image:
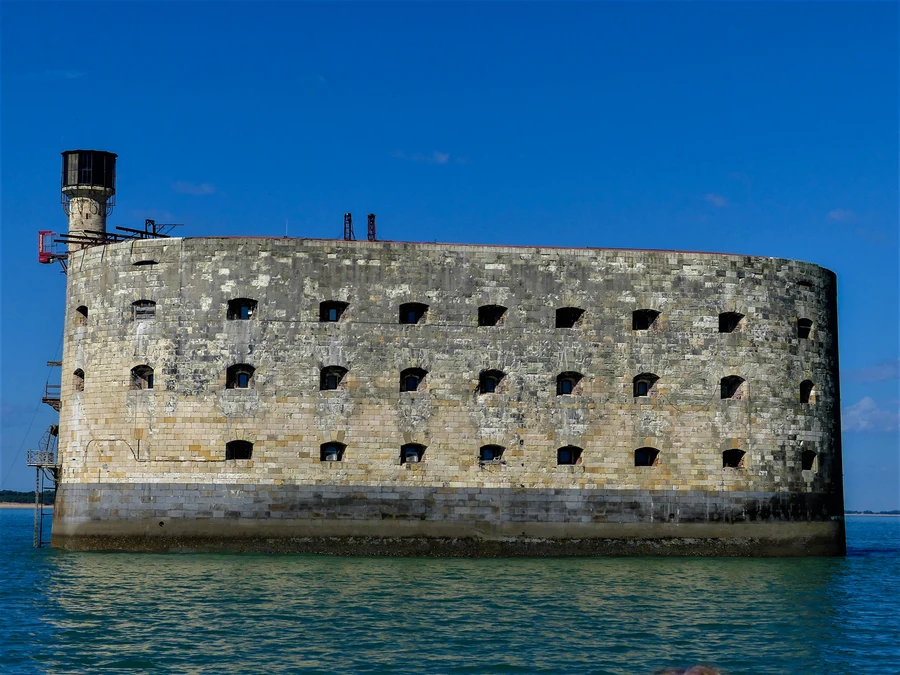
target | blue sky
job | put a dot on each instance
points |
(758, 128)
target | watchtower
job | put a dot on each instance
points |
(88, 187)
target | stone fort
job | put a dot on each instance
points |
(389, 398)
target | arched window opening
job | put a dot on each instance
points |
(412, 312)
(807, 392)
(332, 452)
(332, 310)
(241, 309)
(729, 321)
(238, 450)
(144, 263)
(732, 386)
(143, 310)
(331, 378)
(142, 377)
(646, 457)
(644, 384)
(643, 319)
(239, 376)
(804, 328)
(78, 381)
(809, 461)
(81, 316)
(412, 453)
(567, 383)
(412, 379)
(491, 315)
(568, 456)
(733, 459)
(568, 317)
(489, 381)
(489, 454)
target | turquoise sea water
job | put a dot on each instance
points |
(68, 612)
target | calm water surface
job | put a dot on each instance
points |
(68, 612)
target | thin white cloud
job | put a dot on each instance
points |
(716, 200)
(187, 188)
(880, 372)
(867, 415)
(434, 158)
(841, 216)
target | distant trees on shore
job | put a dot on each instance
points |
(16, 497)
(895, 512)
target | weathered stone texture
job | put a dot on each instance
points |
(168, 442)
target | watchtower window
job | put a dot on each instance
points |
(567, 382)
(568, 456)
(644, 384)
(332, 310)
(732, 387)
(81, 316)
(643, 319)
(238, 450)
(143, 310)
(568, 317)
(412, 379)
(804, 328)
(412, 453)
(729, 321)
(142, 377)
(490, 453)
(412, 312)
(809, 460)
(807, 392)
(332, 452)
(489, 381)
(646, 457)
(331, 378)
(78, 380)
(491, 315)
(241, 309)
(733, 459)
(239, 376)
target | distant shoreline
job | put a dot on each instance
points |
(19, 505)
(877, 515)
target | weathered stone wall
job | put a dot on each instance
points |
(175, 433)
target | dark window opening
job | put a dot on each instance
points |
(81, 315)
(809, 460)
(331, 378)
(238, 450)
(412, 453)
(239, 376)
(733, 459)
(241, 309)
(731, 387)
(729, 321)
(644, 384)
(143, 310)
(412, 379)
(331, 452)
(567, 382)
(805, 283)
(412, 312)
(332, 310)
(643, 319)
(142, 377)
(491, 315)
(489, 381)
(568, 317)
(807, 392)
(804, 328)
(568, 456)
(646, 457)
(144, 263)
(490, 453)
(78, 380)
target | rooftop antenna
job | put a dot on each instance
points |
(348, 228)
(371, 233)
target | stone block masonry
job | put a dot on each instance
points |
(731, 445)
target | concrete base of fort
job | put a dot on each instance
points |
(444, 522)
